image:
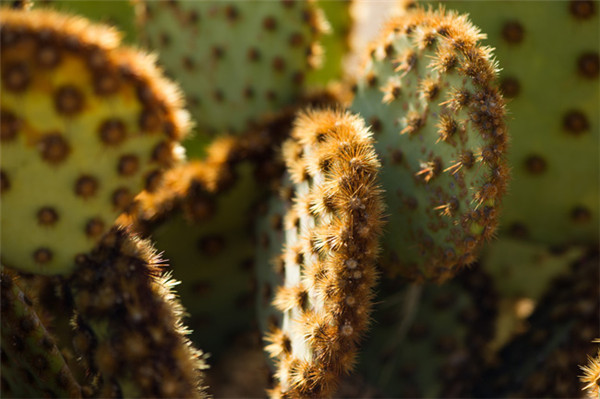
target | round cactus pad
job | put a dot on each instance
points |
(85, 126)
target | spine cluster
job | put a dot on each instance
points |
(331, 245)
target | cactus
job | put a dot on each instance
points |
(85, 122)
(106, 320)
(143, 352)
(252, 59)
(543, 360)
(38, 366)
(331, 246)
(553, 136)
(449, 325)
(428, 91)
(336, 42)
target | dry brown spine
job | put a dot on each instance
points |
(331, 250)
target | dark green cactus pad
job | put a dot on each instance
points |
(129, 327)
(428, 340)
(522, 272)
(543, 361)
(86, 124)
(32, 365)
(427, 89)
(550, 78)
(201, 253)
(238, 60)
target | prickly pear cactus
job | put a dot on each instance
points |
(330, 251)
(86, 124)
(31, 362)
(200, 251)
(143, 352)
(428, 91)
(237, 60)
(336, 41)
(118, 13)
(449, 325)
(543, 360)
(550, 77)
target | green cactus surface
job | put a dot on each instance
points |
(293, 213)
(336, 42)
(543, 361)
(86, 124)
(427, 90)
(549, 75)
(448, 325)
(252, 59)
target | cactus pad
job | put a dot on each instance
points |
(32, 365)
(331, 245)
(236, 59)
(86, 125)
(427, 90)
(549, 76)
(129, 323)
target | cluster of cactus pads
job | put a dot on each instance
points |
(215, 203)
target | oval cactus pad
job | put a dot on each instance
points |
(428, 91)
(86, 125)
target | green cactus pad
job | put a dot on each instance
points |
(549, 75)
(86, 125)
(330, 249)
(201, 253)
(237, 60)
(129, 325)
(521, 273)
(32, 366)
(335, 42)
(543, 361)
(427, 91)
(430, 340)
(119, 13)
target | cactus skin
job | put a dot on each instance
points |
(522, 272)
(32, 365)
(252, 59)
(129, 323)
(543, 361)
(85, 122)
(117, 13)
(336, 41)
(550, 78)
(591, 375)
(201, 251)
(449, 325)
(427, 89)
(331, 246)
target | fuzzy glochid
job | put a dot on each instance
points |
(331, 243)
